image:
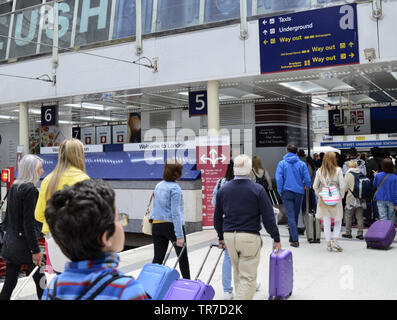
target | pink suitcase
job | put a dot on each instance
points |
(280, 275)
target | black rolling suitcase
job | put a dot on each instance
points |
(313, 226)
(276, 202)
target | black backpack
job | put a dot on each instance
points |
(262, 181)
(362, 186)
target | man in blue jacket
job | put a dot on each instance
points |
(240, 206)
(292, 177)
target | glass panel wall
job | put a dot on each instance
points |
(268, 6)
(220, 10)
(4, 26)
(176, 14)
(25, 32)
(93, 22)
(125, 18)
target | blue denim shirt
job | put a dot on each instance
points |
(168, 205)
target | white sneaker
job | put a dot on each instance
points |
(258, 286)
(228, 296)
(336, 246)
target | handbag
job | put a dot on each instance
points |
(146, 221)
(330, 195)
(2, 226)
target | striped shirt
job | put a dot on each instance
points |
(78, 276)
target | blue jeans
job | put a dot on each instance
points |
(292, 203)
(386, 210)
(227, 273)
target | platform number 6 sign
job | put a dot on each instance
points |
(49, 115)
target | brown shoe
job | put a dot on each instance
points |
(294, 244)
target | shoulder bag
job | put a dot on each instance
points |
(376, 192)
(329, 194)
(146, 222)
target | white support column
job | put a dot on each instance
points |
(138, 29)
(55, 43)
(243, 20)
(213, 107)
(24, 126)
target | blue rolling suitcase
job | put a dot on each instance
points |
(157, 278)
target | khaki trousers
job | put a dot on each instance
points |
(244, 251)
(349, 213)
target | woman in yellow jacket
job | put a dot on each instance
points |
(69, 170)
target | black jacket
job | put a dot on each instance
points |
(22, 230)
(240, 205)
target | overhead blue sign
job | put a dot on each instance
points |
(361, 144)
(198, 103)
(310, 39)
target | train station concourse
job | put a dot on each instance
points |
(139, 83)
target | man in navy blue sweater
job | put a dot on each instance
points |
(240, 205)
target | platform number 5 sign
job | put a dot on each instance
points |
(48, 115)
(198, 103)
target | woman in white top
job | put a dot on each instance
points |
(258, 171)
(330, 175)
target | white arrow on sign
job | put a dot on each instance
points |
(264, 22)
(265, 32)
(213, 157)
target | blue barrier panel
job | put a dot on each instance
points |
(122, 166)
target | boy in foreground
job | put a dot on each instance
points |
(85, 224)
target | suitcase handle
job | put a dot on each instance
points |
(169, 252)
(205, 259)
(275, 197)
(25, 283)
(307, 199)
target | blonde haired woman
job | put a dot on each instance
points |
(69, 170)
(330, 174)
(258, 171)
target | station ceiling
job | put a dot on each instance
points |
(360, 86)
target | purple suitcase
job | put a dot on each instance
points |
(380, 235)
(280, 275)
(185, 289)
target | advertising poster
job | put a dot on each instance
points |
(134, 127)
(88, 135)
(120, 134)
(50, 136)
(212, 158)
(103, 135)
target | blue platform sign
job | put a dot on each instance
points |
(198, 103)
(310, 39)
